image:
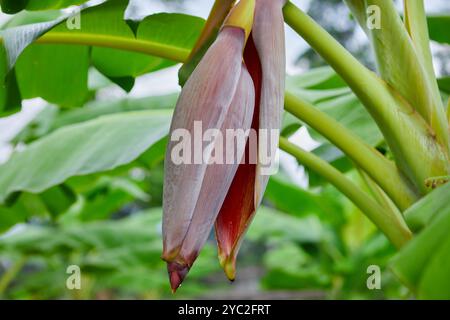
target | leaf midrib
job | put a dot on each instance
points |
(161, 50)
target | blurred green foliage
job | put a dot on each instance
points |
(101, 210)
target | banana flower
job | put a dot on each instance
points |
(238, 85)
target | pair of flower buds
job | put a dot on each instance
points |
(238, 84)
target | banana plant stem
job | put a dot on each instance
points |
(393, 226)
(378, 194)
(408, 135)
(117, 42)
(382, 170)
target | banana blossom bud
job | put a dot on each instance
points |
(238, 85)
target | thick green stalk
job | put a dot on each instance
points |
(448, 113)
(417, 27)
(116, 42)
(379, 195)
(409, 137)
(390, 224)
(383, 171)
(404, 57)
(404, 61)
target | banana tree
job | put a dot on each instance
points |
(406, 173)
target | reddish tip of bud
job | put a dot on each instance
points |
(177, 273)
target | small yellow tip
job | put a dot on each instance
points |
(241, 16)
(230, 271)
(228, 263)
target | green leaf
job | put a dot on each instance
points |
(291, 199)
(140, 228)
(319, 79)
(93, 146)
(104, 24)
(10, 96)
(42, 71)
(16, 39)
(108, 196)
(272, 224)
(424, 211)
(444, 84)
(423, 264)
(438, 27)
(52, 4)
(288, 251)
(27, 17)
(171, 29)
(406, 68)
(311, 277)
(51, 118)
(107, 20)
(435, 280)
(155, 155)
(10, 99)
(96, 109)
(9, 216)
(57, 73)
(58, 199)
(14, 6)
(24, 206)
(329, 93)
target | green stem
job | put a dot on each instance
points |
(379, 194)
(448, 112)
(117, 42)
(391, 225)
(383, 171)
(10, 274)
(409, 137)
